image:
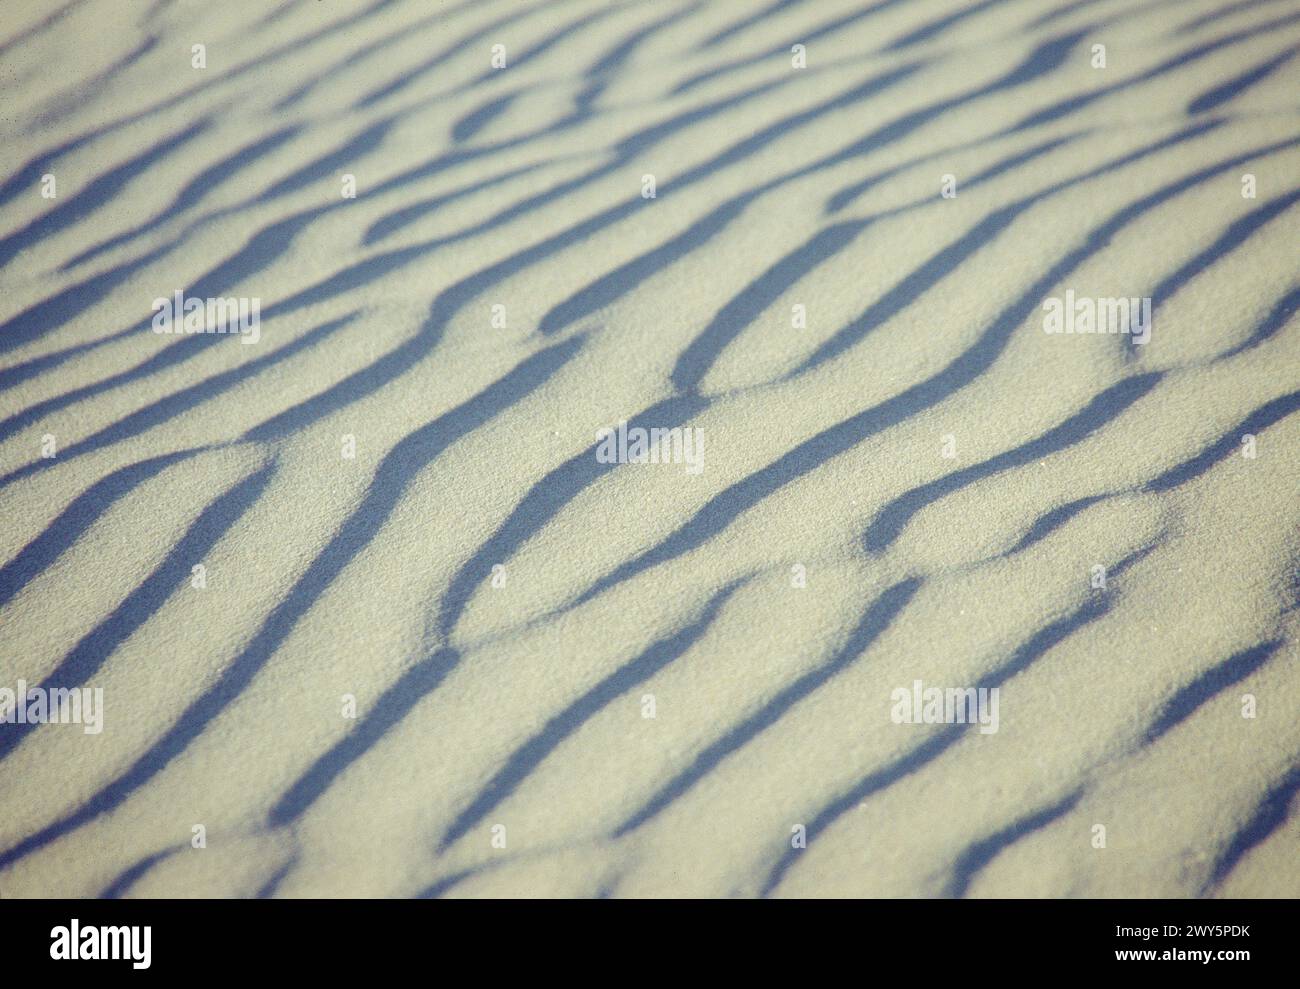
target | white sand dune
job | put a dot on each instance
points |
(904, 478)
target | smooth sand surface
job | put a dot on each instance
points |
(913, 481)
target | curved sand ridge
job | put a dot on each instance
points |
(901, 477)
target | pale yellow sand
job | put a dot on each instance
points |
(522, 706)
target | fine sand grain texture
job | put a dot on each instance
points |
(375, 608)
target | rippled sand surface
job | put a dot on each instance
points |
(371, 617)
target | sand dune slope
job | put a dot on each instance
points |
(374, 613)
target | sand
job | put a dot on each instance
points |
(471, 658)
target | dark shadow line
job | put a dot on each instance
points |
(927, 31)
(543, 502)
(404, 216)
(180, 402)
(747, 21)
(261, 62)
(28, 175)
(1053, 519)
(615, 58)
(1058, 12)
(393, 705)
(1232, 670)
(410, 456)
(565, 32)
(351, 389)
(721, 510)
(1237, 233)
(391, 478)
(44, 24)
(86, 658)
(1234, 87)
(886, 776)
(452, 299)
(605, 69)
(875, 620)
(131, 875)
(1227, 444)
(60, 105)
(873, 86)
(744, 308)
(44, 317)
(1278, 317)
(272, 242)
(481, 116)
(438, 888)
(950, 257)
(528, 756)
(1215, 15)
(832, 27)
(616, 283)
(1010, 163)
(915, 283)
(70, 524)
(97, 194)
(257, 254)
(1075, 103)
(193, 192)
(1269, 815)
(627, 150)
(1035, 647)
(272, 885)
(412, 75)
(330, 164)
(331, 72)
(981, 853)
(889, 522)
(1199, 463)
